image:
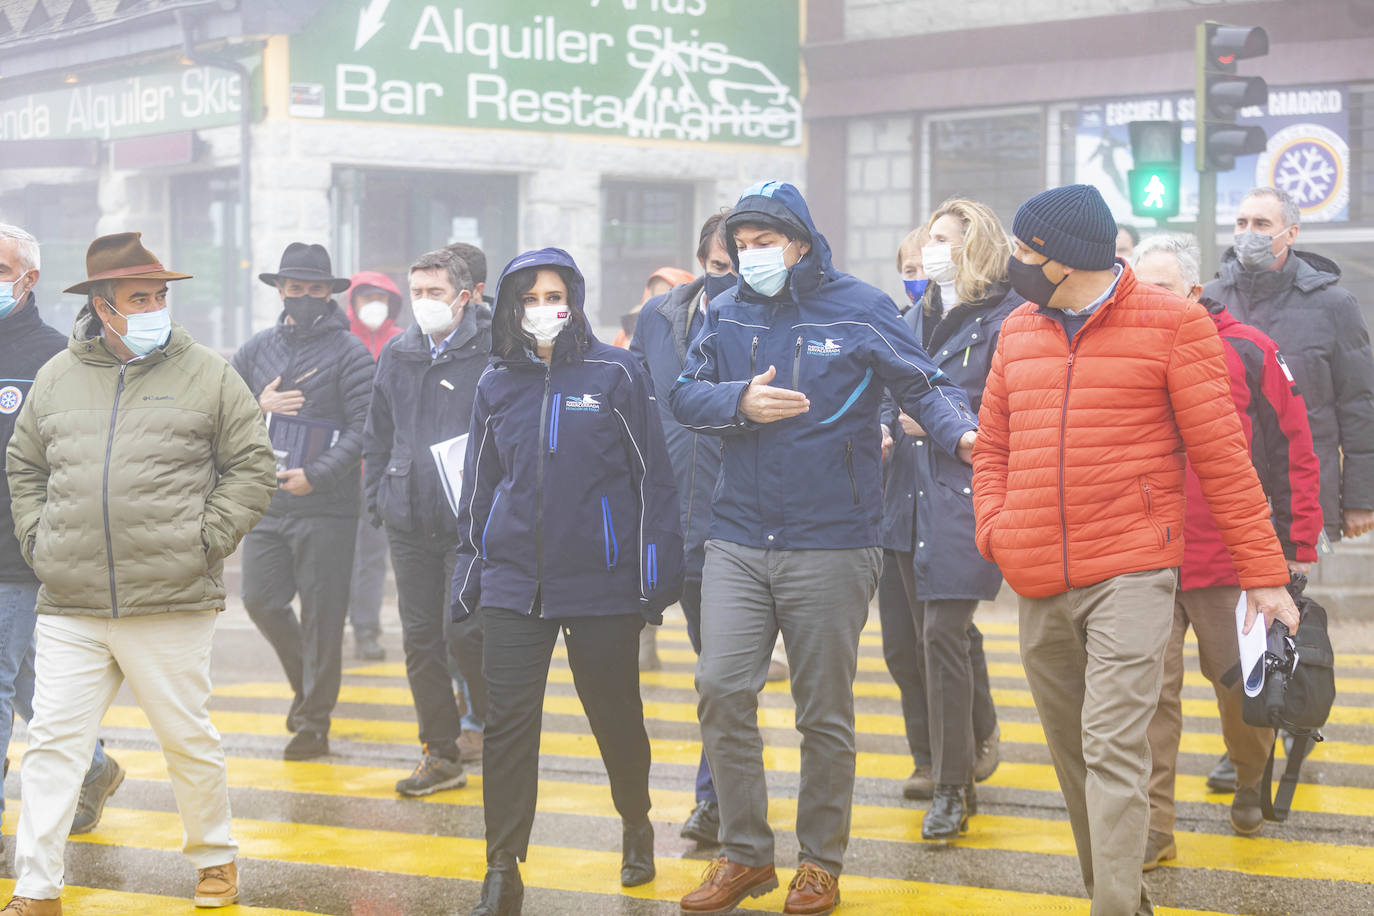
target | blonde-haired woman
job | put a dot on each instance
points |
(945, 577)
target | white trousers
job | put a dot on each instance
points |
(80, 664)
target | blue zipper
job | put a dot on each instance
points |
(608, 535)
(490, 515)
(553, 421)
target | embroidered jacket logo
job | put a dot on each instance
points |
(587, 402)
(827, 347)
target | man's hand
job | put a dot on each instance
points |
(1355, 522)
(910, 426)
(294, 481)
(762, 403)
(887, 441)
(1298, 569)
(1273, 602)
(273, 401)
(965, 449)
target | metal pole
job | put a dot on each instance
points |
(1207, 222)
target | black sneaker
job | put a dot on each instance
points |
(432, 774)
(306, 745)
(367, 647)
(94, 794)
(703, 824)
(1223, 776)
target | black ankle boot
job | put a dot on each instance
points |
(948, 813)
(637, 854)
(503, 892)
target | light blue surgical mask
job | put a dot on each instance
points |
(764, 269)
(145, 331)
(8, 300)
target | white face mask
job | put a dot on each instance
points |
(433, 315)
(938, 261)
(543, 322)
(372, 315)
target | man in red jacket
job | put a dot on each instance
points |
(1274, 418)
(1098, 386)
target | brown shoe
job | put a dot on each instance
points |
(217, 885)
(725, 884)
(919, 784)
(1247, 817)
(470, 746)
(28, 906)
(813, 892)
(1158, 847)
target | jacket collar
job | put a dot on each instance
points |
(333, 319)
(677, 307)
(955, 317)
(22, 320)
(87, 343)
(412, 344)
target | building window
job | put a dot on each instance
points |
(997, 158)
(385, 219)
(63, 219)
(644, 226)
(206, 244)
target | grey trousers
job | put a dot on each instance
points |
(369, 579)
(819, 600)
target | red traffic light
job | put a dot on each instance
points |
(1227, 44)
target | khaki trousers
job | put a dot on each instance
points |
(1094, 658)
(1212, 614)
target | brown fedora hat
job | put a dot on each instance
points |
(121, 257)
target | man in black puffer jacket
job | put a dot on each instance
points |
(309, 365)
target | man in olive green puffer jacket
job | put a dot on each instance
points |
(137, 463)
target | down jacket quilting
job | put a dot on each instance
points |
(132, 482)
(1079, 467)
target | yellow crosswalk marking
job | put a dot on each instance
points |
(1262, 856)
(127, 903)
(773, 717)
(555, 868)
(1036, 777)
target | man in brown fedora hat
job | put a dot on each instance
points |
(137, 463)
(309, 369)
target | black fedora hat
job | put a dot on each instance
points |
(309, 263)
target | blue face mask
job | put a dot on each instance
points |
(145, 331)
(915, 289)
(7, 298)
(718, 283)
(764, 269)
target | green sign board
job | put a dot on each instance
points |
(696, 70)
(161, 99)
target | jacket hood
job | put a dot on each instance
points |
(87, 341)
(577, 290)
(773, 202)
(380, 281)
(1304, 269)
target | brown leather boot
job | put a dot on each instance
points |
(725, 884)
(28, 906)
(813, 892)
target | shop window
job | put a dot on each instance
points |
(206, 244)
(644, 226)
(997, 158)
(385, 219)
(63, 219)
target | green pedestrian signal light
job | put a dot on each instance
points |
(1154, 182)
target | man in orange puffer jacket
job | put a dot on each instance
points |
(1098, 388)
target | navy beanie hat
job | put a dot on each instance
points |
(1071, 225)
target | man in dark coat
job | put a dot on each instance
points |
(307, 366)
(426, 380)
(1295, 297)
(665, 328)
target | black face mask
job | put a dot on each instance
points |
(306, 310)
(718, 283)
(1030, 282)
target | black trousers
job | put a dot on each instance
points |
(311, 557)
(423, 567)
(603, 653)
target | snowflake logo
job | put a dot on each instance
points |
(1310, 162)
(1307, 172)
(10, 399)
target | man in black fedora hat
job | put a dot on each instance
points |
(313, 379)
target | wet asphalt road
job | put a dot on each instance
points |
(330, 836)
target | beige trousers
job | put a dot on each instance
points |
(1094, 658)
(1212, 614)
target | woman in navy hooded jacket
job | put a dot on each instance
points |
(568, 520)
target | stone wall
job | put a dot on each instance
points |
(881, 197)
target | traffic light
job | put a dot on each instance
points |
(1221, 93)
(1157, 153)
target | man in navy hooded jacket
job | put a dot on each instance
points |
(790, 371)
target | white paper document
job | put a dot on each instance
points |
(449, 456)
(1252, 646)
